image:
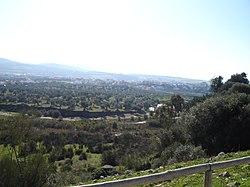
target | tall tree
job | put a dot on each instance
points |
(178, 102)
(216, 83)
(240, 78)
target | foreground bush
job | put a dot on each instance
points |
(33, 170)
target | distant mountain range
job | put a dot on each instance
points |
(56, 70)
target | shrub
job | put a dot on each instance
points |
(220, 123)
(97, 173)
(78, 151)
(109, 157)
(69, 153)
(185, 153)
(34, 170)
(67, 165)
(154, 123)
(83, 156)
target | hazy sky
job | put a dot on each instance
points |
(187, 38)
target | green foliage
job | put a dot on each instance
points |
(178, 102)
(177, 152)
(57, 154)
(185, 153)
(109, 157)
(141, 164)
(177, 131)
(114, 125)
(19, 167)
(83, 156)
(10, 174)
(216, 84)
(165, 115)
(56, 96)
(237, 83)
(97, 173)
(240, 88)
(154, 123)
(226, 87)
(27, 148)
(239, 174)
(32, 170)
(14, 130)
(67, 165)
(78, 151)
(240, 78)
(220, 123)
(166, 138)
(55, 114)
(69, 153)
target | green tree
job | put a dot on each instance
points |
(84, 104)
(178, 102)
(55, 114)
(220, 123)
(109, 157)
(165, 115)
(216, 83)
(235, 79)
(240, 88)
(240, 78)
(31, 170)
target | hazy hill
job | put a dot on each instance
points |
(56, 70)
(52, 70)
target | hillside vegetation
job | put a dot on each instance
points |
(234, 176)
(59, 151)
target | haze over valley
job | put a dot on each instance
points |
(94, 91)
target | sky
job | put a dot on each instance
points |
(199, 39)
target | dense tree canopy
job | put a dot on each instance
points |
(178, 102)
(240, 78)
(216, 83)
(237, 83)
(220, 123)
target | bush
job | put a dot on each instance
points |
(142, 164)
(34, 170)
(69, 153)
(154, 123)
(78, 151)
(31, 170)
(114, 125)
(97, 173)
(67, 165)
(240, 88)
(220, 123)
(185, 153)
(55, 114)
(109, 157)
(83, 156)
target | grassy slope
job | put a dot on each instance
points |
(239, 175)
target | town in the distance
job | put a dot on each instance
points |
(62, 126)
